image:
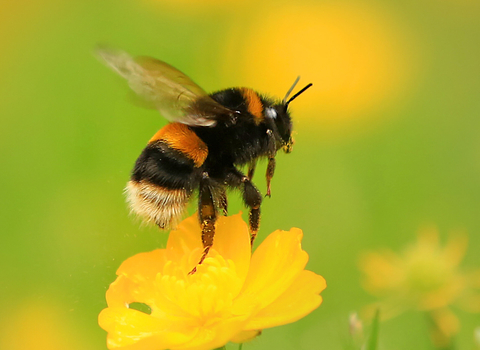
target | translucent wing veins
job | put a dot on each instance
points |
(170, 91)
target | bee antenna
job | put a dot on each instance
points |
(291, 89)
(297, 94)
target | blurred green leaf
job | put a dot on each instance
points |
(372, 341)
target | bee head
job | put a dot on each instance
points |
(280, 116)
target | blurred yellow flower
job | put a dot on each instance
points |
(359, 57)
(41, 322)
(232, 296)
(425, 277)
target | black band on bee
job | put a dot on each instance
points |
(243, 100)
(161, 165)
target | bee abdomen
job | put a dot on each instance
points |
(165, 175)
(159, 205)
(163, 166)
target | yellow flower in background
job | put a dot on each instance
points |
(426, 277)
(359, 57)
(41, 322)
(232, 296)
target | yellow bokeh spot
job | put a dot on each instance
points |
(40, 324)
(357, 58)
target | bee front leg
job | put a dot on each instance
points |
(269, 175)
(251, 170)
(271, 161)
(207, 215)
(251, 196)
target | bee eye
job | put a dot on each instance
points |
(271, 113)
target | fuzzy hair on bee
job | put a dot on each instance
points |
(209, 137)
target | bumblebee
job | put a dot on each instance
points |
(209, 137)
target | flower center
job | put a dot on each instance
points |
(427, 273)
(204, 297)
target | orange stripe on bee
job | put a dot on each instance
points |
(181, 138)
(254, 104)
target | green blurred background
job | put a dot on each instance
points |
(387, 142)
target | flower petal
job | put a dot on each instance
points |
(245, 336)
(232, 241)
(187, 237)
(215, 335)
(126, 327)
(275, 264)
(381, 271)
(456, 248)
(143, 265)
(301, 298)
(135, 278)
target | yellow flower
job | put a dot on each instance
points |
(425, 277)
(360, 58)
(232, 296)
(40, 323)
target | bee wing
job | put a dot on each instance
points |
(167, 89)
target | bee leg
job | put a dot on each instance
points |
(272, 151)
(254, 221)
(269, 174)
(207, 215)
(251, 196)
(223, 202)
(251, 170)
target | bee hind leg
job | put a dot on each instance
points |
(251, 196)
(208, 216)
(223, 202)
(254, 221)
